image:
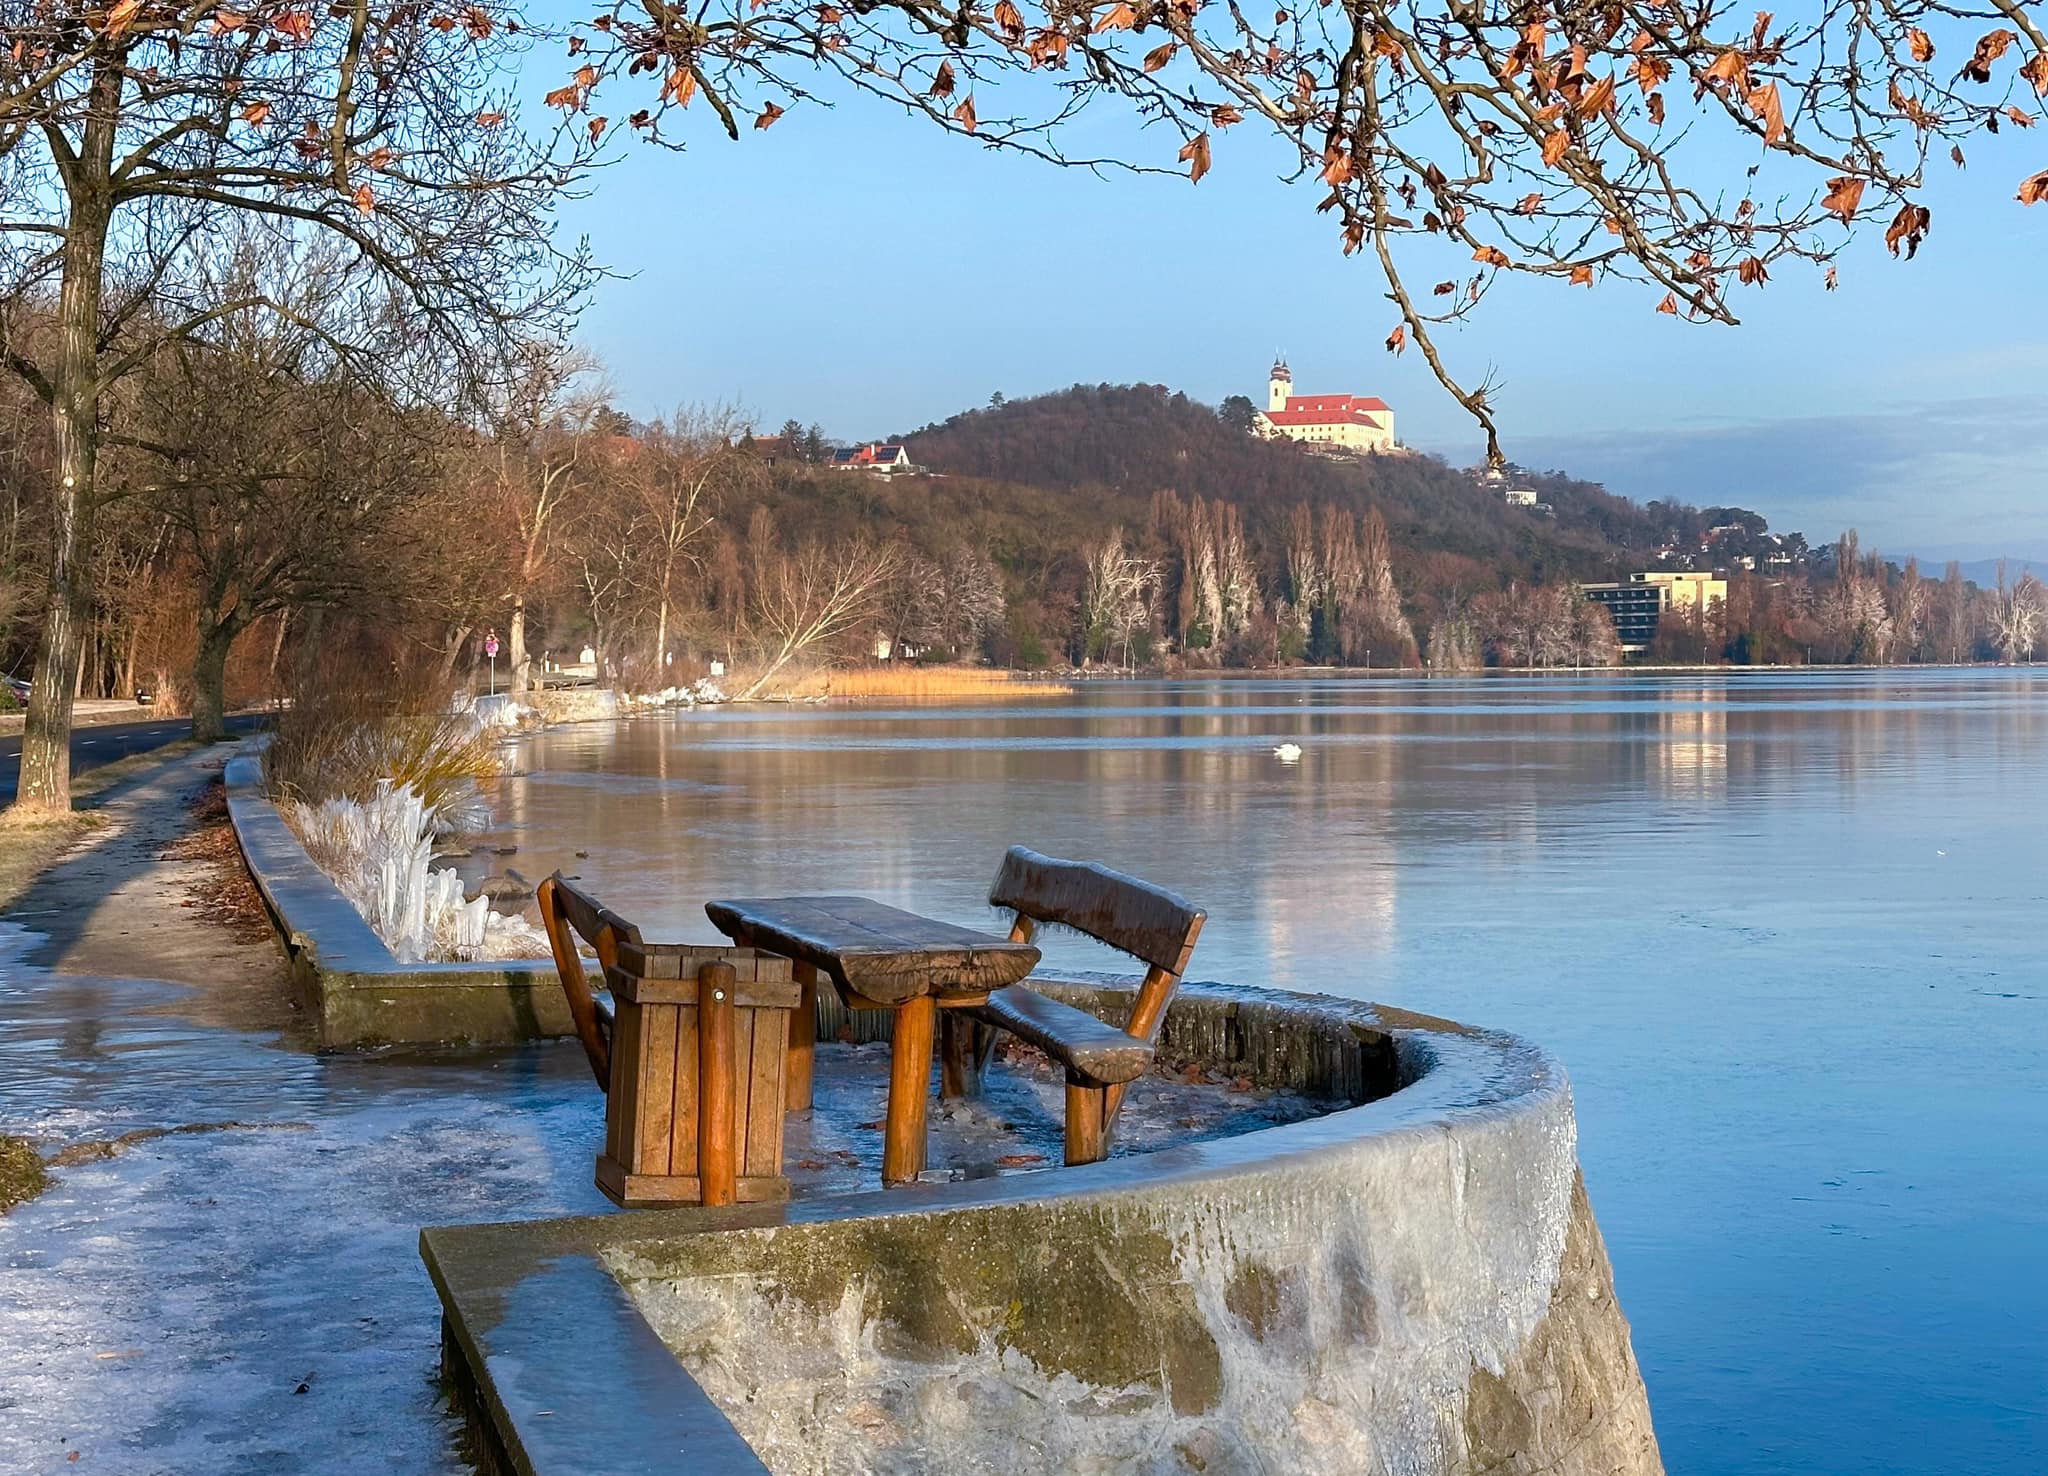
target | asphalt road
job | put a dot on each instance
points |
(102, 745)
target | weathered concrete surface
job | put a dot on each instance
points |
(1414, 1285)
(353, 990)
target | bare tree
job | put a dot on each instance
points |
(806, 598)
(280, 479)
(2019, 615)
(132, 135)
(679, 478)
(1116, 599)
(539, 430)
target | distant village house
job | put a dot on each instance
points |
(874, 457)
(1357, 423)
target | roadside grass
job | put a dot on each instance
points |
(938, 681)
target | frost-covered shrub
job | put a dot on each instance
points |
(379, 854)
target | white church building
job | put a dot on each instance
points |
(1340, 422)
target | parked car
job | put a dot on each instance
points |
(19, 687)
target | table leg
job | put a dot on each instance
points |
(910, 1079)
(803, 1039)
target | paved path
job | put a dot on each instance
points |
(235, 1288)
(105, 743)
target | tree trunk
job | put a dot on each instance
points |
(284, 620)
(515, 650)
(451, 651)
(45, 785)
(209, 677)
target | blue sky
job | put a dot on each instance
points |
(858, 269)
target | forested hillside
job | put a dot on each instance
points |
(1118, 444)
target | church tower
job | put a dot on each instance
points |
(1279, 386)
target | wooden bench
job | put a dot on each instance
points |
(691, 1050)
(1149, 923)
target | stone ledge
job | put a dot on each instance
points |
(1414, 1284)
(345, 976)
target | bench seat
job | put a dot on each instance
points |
(1089, 1048)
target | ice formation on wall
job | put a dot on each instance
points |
(380, 856)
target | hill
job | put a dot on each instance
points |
(1130, 518)
(1118, 444)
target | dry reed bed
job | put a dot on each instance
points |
(938, 681)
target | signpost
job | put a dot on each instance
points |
(491, 650)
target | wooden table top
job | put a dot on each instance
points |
(879, 952)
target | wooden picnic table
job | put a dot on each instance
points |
(879, 958)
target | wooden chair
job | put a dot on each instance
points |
(691, 1049)
(1149, 923)
(568, 912)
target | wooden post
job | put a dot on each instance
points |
(910, 1073)
(803, 1039)
(1087, 1137)
(960, 1057)
(717, 1156)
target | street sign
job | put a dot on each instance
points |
(491, 645)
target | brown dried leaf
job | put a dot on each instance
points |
(1920, 44)
(597, 128)
(1845, 193)
(1731, 68)
(1195, 154)
(1910, 226)
(1750, 271)
(1556, 146)
(1831, 280)
(767, 116)
(569, 96)
(121, 17)
(2033, 189)
(1159, 56)
(2020, 117)
(1989, 49)
(1223, 115)
(365, 201)
(1120, 18)
(256, 112)
(1009, 19)
(1445, 289)
(1019, 1160)
(489, 120)
(2036, 71)
(1669, 304)
(1492, 255)
(1596, 99)
(964, 114)
(942, 80)
(1763, 101)
(1398, 339)
(1582, 275)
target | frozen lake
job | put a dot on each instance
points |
(1786, 931)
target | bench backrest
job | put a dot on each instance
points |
(1135, 917)
(1150, 923)
(568, 912)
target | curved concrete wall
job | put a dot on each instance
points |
(1415, 1284)
(347, 979)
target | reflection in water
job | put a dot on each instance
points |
(1783, 929)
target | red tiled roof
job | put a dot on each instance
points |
(1329, 410)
